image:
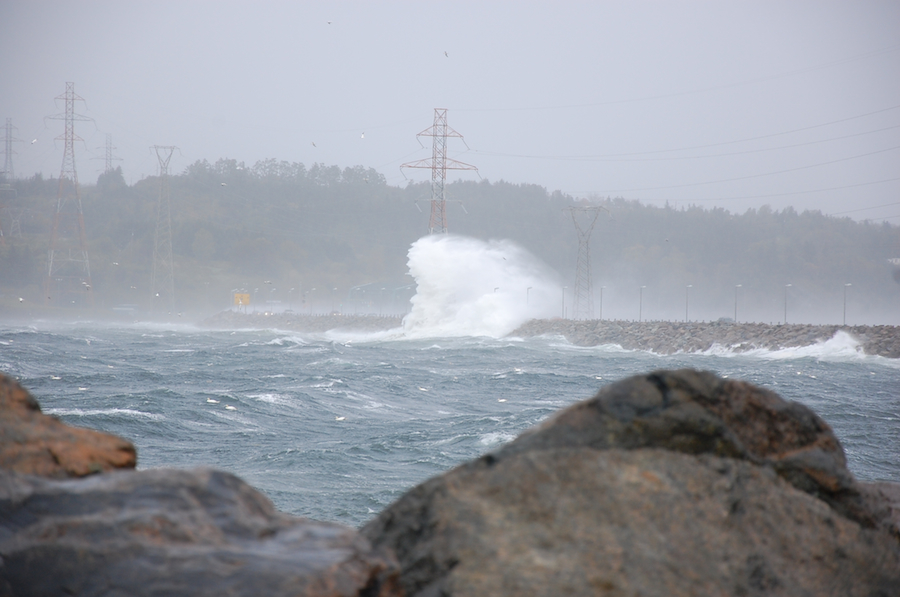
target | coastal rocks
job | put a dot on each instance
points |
(36, 444)
(667, 337)
(174, 532)
(673, 483)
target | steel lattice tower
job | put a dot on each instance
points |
(162, 283)
(584, 290)
(109, 154)
(439, 163)
(68, 267)
(8, 151)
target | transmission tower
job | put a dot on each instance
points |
(109, 155)
(69, 270)
(8, 151)
(162, 283)
(439, 163)
(584, 290)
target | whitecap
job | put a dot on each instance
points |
(102, 412)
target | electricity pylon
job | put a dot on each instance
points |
(584, 290)
(439, 163)
(162, 282)
(8, 151)
(68, 267)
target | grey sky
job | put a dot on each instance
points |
(729, 104)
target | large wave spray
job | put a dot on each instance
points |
(468, 287)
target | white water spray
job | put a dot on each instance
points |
(469, 287)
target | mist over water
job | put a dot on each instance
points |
(469, 287)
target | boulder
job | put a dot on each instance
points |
(36, 444)
(174, 532)
(672, 483)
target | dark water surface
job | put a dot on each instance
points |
(337, 427)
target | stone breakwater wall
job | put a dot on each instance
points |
(302, 323)
(666, 337)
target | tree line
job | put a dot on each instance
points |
(237, 227)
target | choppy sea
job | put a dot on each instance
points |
(335, 427)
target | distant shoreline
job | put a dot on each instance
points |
(661, 337)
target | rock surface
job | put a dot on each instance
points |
(667, 337)
(174, 532)
(35, 444)
(673, 483)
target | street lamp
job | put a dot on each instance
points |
(601, 302)
(291, 299)
(310, 302)
(564, 302)
(736, 286)
(686, 291)
(527, 290)
(640, 302)
(845, 302)
(786, 286)
(333, 290)
(496, 288)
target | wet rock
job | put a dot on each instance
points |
(673, 483)
(173, 532)
(36, 444)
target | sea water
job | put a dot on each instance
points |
(336, 426)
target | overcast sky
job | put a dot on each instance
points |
(728, 104)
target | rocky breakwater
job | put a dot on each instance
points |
(667, 484)
(666, 337)
(155, 532)
(302, 323)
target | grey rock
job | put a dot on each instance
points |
(673, 483)
(174, 532)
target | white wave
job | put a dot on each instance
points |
(271, 398)
(100, 412)
(494, 438)
(469, 287)
(841, 347)
(287, 340)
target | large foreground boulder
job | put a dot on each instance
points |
(668, 484)
(175, 533)
(35, 444)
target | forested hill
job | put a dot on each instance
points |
(237, 226)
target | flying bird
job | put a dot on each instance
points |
(223, 184)
(363, 136)
(314, 143)
(446, 54)
(21, 300)
(33, 141)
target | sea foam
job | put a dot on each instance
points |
(470, 287)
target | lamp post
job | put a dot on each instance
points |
(381, 302)
(601, 302)
(333, 290)
(291, 299)
(786, 286)
(640, 302)
(310, 302)
(736, 286)
(845, 302)
(686, 294)
(496, 288)
(564, 301)
(527, 290)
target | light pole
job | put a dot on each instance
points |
(527, 290)
(333, 290)
(381, 303)
(736, 286)
(291, 299)
(310, 302)
(601, 302)
(564, 302)
(640, 302)
(496, 288)
(786, 286)
(845, 302)
(686, 293)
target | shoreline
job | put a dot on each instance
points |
(660, 337)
